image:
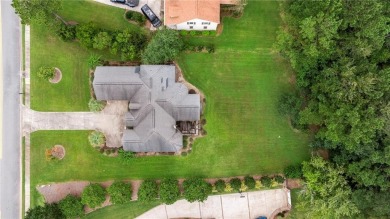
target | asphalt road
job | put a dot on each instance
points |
(10, 188)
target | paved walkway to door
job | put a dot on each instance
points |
(230, 206)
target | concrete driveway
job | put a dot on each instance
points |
(230, 206)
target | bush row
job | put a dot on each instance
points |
(198, 33)
(210, 48)
(128, 43)
(248, 183)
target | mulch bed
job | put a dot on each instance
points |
(57, 76)
(58, 152)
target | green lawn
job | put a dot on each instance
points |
(72, 93)
(245, 135)
(128, 210)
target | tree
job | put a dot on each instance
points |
(36, 10)
(326, 191)
(196, 189)
(250, 182)
(66, 32)
(128, 43)
(235, 183)
(148, 191)
(119, 192)
(47, 211)
(164, 47)
(102, 40)
(169, 191)
(220, 185)
(96, 139)
(71, 206)
(46, 72)
(93, 195)
(85, 33)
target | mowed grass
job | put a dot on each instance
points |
(245, 135)
(72, 92)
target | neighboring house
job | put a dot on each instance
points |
(157, 103)
(192, 14)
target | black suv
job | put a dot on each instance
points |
(151, 16)
(130, 3)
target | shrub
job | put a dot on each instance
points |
(205, 33)
(258, 184)
(228, 187)
(94, 60)
(192, 32)
(48, 154)
(128, 43)
(71, 206)
(93, 195)
(96, 138)
(235, 183)
(213, 33)
(279, 179)
(199, 48)
(196, 189)
(266, 181)
(210, 48)
(85, 34)
(102, 40)
(250, 182)
(47, 211)
(96, 105)
(293, 171)
(243, 187)
(46, 72)
(169, 191)
(135, 16)
(66, 32)
(126, 156)
(164, 47)
(148, 191)
(119, 192)
(183, 32)
(220, 185)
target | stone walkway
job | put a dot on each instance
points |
(230, 206)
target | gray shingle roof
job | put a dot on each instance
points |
(156, 103)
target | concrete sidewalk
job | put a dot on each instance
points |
(230, 206)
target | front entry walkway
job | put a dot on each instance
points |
(230, 206)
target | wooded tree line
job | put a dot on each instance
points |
(340, 51)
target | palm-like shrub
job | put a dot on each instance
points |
(46, 72)
(96, 139)
(94, 60)
(96, 105)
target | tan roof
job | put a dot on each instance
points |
(179, 11)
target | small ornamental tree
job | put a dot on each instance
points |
(279, 179)
(71, 206)
(266, 181)
(46, 72)
(48, 211)
(196, 189)
(235, 183)
(148, 191)
(250, 182)
(119, 192)
(169, 191)
(93, 195)
(96, 139)
(220, 185)
(164, 47)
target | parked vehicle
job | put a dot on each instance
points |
(151, 16)
(119, 1)
(132, 3)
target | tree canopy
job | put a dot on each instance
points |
(71, 206)
(36, 10)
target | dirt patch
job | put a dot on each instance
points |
(323, 153)
(72, 23)
(58, 152)
(57, 76)
(294, 183)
